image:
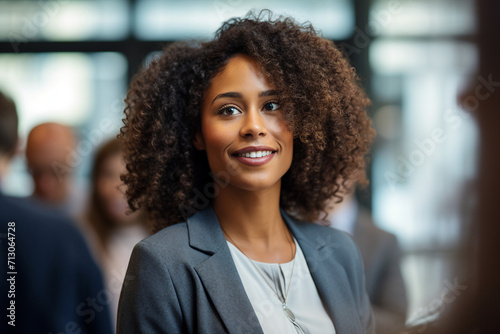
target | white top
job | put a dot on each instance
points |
(303, 298)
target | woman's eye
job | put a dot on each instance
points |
(271, 106)
(228, 111)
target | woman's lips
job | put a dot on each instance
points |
(254, 155)
(254, 161)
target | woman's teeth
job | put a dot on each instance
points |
(255, 154)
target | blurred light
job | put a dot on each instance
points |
(48, 87)
(24, 21)
(77, 89)
(395, 56)
(423, 17)
(174, 20)
(61, 87)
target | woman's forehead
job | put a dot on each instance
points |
(241, 74)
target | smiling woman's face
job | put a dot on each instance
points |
(243, 129)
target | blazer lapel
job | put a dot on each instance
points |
(224, 287)
(329, 277)
(219, 274)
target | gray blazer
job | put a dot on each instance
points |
(183, 280)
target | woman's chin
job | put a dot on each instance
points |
(257, 185)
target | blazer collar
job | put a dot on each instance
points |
(328, 274)
(205, 233)
(219, 274)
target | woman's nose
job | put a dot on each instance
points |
(253, 124)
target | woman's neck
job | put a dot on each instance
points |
(252, 221)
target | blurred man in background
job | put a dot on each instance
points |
(8, 133)
(49, 282)
(50, 156)
(381, 257)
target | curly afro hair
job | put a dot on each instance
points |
(318, 90)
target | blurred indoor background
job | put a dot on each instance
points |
(71, 61)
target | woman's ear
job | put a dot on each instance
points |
(198, 141)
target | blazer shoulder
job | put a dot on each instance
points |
(169, 241)
(170, 247)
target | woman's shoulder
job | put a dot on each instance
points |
(169, 242)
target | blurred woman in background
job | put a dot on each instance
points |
(112, 232)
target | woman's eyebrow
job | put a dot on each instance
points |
(268, 93)
(228, 94)
(239, 95)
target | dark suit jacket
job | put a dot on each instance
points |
(384, 282)
(56, 275)
(183, 280)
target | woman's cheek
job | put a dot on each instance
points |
(215, 142)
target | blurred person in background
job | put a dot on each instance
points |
(381, 258)
(472, 306)
(113, 233)
(8, 133)
(49, 282)
(50, 158)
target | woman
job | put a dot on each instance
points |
(111, 231)
(229, 144)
